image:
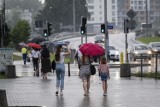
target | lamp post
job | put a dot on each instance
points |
(3, 23)
(147, 17)
(74, 19)
(106, 30)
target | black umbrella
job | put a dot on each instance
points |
(37, 39)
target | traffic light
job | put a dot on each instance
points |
(83, 30)
(126, 29)
(102, 28)
(5, 29)
(45, 32)
(49, 28)
(84, 21)
(83, 27)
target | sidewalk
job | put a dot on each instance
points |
(122, 92)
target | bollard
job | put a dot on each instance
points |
(125, 70)
(121, 58)
(68, 68)
(10, 71)
(156, 65)
(141, 66)
(3, 98)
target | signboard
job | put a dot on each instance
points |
(146, 25)
(109, 27)
(6, 58)
(131, 14)
(131, 24)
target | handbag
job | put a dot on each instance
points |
(92, 69)
(28, 59)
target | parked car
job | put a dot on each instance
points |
(113, 53)
(139, 49)
(154, 47)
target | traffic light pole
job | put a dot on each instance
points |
(106, 30)
(3, 23)
(126, 42)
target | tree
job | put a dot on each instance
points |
(61, 12)
(20, 32)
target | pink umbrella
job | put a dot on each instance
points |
(92, 49)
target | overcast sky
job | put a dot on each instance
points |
(42, 1)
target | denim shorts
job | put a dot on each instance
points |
(104, 76)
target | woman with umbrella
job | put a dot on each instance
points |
(45, 61)
(35, 53)
(88, 50)
(85, 73)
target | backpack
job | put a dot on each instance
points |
(53, 66)
(45, 53)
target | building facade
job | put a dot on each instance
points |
(96, 10)
(143, 8)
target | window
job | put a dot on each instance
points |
(113, 1)
(90, 1)
(90, 7)
(113, 6)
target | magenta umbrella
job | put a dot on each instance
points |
(92, 49)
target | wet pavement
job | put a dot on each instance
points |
(122, 92)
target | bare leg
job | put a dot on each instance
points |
(85, 86)
(88, 84)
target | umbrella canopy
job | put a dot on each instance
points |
(23, 44)
(92, 49)
(34, 45)
(37, 39)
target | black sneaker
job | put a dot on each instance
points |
(56, 93)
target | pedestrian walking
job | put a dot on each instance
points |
(103, 69)
(45, 61)
(35, 53)
(60, 68)
(85, 74)
(77, 56)
(24, 54)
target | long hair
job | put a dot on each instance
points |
(57, 54)
(103, 60)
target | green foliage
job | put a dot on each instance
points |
(2, 76)
(15, 57)
(149, 39)
(148, 75)
(20, 32)
(61, 12)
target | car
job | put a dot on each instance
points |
(99, 38)
(113, 53)
(138, 50)
(154, 47)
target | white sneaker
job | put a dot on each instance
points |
(61, 93)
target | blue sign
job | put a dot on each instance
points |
(110, 27)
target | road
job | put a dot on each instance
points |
(117, 40)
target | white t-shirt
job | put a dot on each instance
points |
(61, 58)
(35, 54)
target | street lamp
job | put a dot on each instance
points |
(106, 30)
(74, 19)
(147, 17)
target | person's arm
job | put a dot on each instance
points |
(69, 51)
(108, 71)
